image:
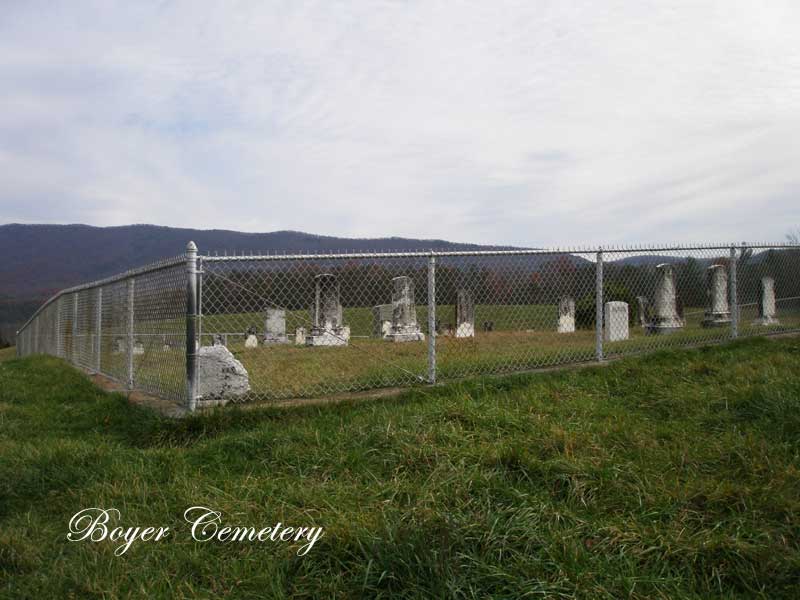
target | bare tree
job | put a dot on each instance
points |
(794, 236)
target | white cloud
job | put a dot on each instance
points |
(532, 123)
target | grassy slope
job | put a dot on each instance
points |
(672, 475)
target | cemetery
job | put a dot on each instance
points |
(266, 332)
(522, 337)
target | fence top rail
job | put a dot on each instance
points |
(143, 270)
(516, 252)
(617, 249)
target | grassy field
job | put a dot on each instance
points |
(524, 339)
(674, 475)
(7, 353)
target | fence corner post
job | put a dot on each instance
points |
(191, 322)
(734, 296)
(598, 315)
(432, 318)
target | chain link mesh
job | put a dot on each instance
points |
(96, 327)
(313, 325)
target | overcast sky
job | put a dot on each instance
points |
(532, 123)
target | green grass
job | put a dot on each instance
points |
(674, 475)
(7, 353)
(524, 339)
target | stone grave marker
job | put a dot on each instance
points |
(615, 321)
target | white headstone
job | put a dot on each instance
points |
(251, 341)
(666, 318)
(465, 314)
(328, 329)
(381, 320)
(300, 336)
(404, 312)
(566, 315)
(717, 311)
(275, 326)
(219, 374)
(615, 321)
(766, 303)
(138, 347)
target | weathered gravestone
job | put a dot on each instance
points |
(566, 315)
(381, 320)
(327, 329)
(219, 375)
(300, 336)
(717, 311)
(766, 303)
(615, 321)
(251, 341)
(665, 314)
(465, 314)
(404, 312)
(119, 346)
(644, 311)
(275, 326)
(138, 347)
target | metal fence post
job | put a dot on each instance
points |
(74, 357)
(598, 315)
(98, 325)
(734, 296)
(129, 330)
(431, 319)
(191, 322)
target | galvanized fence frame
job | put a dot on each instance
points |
(165, 301)
(128, 328)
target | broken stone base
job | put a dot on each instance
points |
(566, 324)
(665, 326)
(722, 319)
(465, 330)
(405, 334)
(273, 339)
(766, 321)
(339, 336)
(220, 377)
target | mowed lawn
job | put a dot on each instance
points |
(672, 475)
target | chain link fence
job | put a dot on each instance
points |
(130, 328)
(213, 329)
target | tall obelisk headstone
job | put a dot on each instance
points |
(327, 329)
(404, 312)
(718, 312)
(665, 318)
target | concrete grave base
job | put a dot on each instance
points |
(339, 336)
